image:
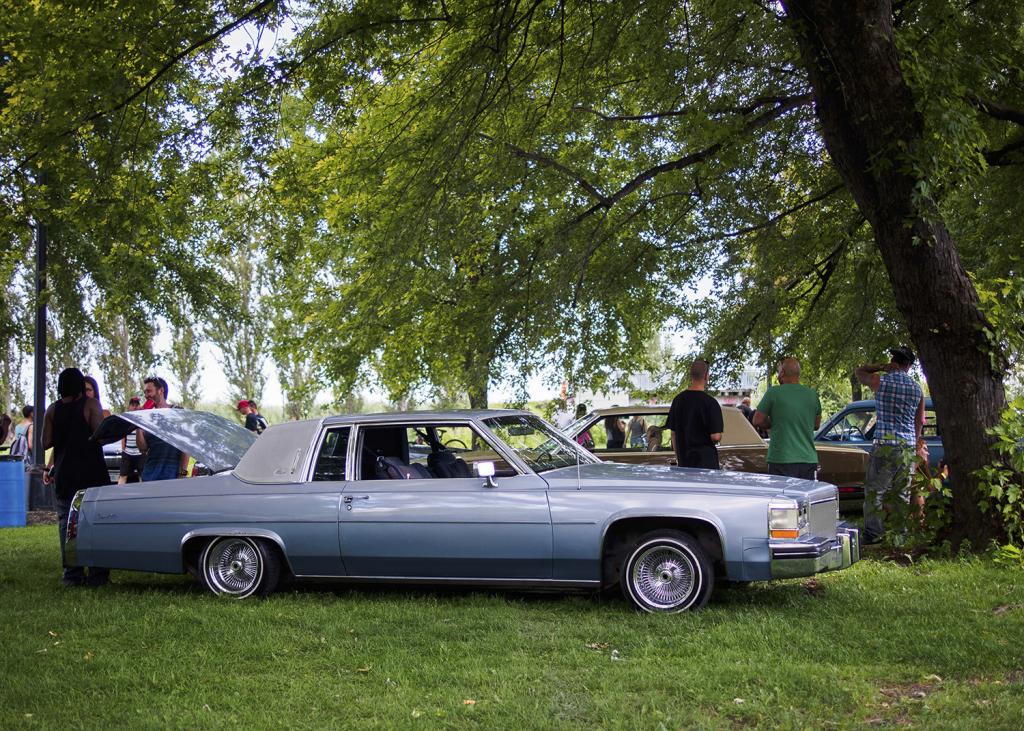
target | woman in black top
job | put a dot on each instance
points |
(77, 461)
(615, 429)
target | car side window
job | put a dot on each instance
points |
(866, 421)
(647, 433)
(457, 438)
(854, 426)
(658, 435)
(598, 436)
(635, 432)
(425, 451)
(330, 461)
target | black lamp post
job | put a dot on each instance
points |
(39, 497)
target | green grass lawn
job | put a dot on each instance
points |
(936, 645)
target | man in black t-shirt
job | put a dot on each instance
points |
(696, 422)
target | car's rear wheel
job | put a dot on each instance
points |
(239, 567)
(667, 571)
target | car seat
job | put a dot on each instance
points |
(444, 463)
(392, 468)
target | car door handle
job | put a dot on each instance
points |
(350, 498)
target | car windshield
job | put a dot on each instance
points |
(540, 446)
(578, 424)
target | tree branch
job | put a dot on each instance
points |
(1006, 155)
(167, 66)
(334, 40)
(561, 53)
(777, 217)
(693, 158)
(549, 162)
(750, 108)
(170, 63)
(997, 110)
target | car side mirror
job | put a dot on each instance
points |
(486, 470)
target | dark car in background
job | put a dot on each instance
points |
(854, 426)
(112, 458)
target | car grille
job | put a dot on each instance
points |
(822, 511)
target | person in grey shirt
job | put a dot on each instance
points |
(637, 430)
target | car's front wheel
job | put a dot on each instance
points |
(239, 566)
(667, 571)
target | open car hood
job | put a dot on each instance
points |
(213, 440)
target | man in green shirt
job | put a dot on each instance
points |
(793, 412)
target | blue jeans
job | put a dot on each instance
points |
(888, 469)
(74, 574)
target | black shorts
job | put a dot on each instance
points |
(131, 466)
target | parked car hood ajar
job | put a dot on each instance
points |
(213, 440)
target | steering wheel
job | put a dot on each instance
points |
(456, 443)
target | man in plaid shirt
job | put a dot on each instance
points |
(899, 403)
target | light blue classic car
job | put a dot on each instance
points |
(490, 497)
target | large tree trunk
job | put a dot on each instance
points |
(478, 397)
(872, 130)
(477, 367)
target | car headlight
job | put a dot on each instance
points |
(786, 518)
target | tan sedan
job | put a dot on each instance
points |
(742, 449)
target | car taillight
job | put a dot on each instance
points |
(76, 503)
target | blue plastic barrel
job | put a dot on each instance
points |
(12, 491)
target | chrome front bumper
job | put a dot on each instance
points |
(814, 555)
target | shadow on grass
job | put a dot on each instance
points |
(764, 595)
(139, 584)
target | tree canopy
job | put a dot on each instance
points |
(107, 116)
(455, 193)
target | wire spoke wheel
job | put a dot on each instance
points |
(664, 576)
(233, 566)
(667, 571)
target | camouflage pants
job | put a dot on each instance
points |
(889, 468)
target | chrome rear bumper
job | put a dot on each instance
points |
(814, 554)
(71, 535)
